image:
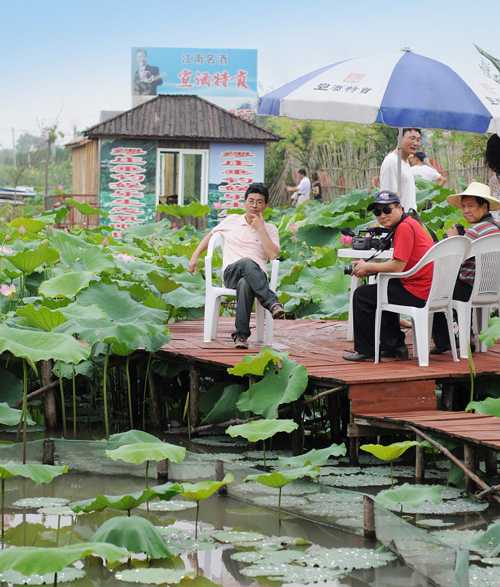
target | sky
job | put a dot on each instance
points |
(65, 61)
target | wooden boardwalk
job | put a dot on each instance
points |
(318, 345)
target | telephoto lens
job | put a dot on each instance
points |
(347, 269)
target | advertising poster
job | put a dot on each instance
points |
(233, 167)
(226, 77)
(127, 186)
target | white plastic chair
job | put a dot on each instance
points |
(485, 294)
(214, 294)
(447, 256)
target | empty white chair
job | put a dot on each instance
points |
(485, 294)
(214, 294)
(446, 256)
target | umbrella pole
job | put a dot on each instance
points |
(400, 138)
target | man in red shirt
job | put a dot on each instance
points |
(410, 241)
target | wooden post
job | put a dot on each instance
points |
(194, 396)
(162, 470)
(49, 398)
(419, 465)
(368, 517)
(353, 452)
(48, 452)
(155, 405)
(470, 463)
(490, 459)
(219, 476)
(334, 416)
(298, 434)
(447, 396)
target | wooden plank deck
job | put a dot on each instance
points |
(318, 345)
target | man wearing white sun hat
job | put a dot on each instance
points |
(476, 203)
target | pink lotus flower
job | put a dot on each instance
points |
(346, 240)
(21, 229)
(124, 257)
(293, 228)
(6, 251)
(7, 290)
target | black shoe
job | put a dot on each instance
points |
(277, 311)
(400, 352)
(240, 342)
(439, 350)
(355, 356)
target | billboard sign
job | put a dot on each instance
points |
(227, 77)
(127, 183)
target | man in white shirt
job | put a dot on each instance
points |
(421, 169)
(249, 243)
(302, 191)
(410, 143)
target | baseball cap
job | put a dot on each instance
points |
(384, 197)
(420, 155)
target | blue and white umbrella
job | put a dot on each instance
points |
(400, 89)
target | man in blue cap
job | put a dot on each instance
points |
(410, 242)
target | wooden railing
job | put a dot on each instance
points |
(74, 218)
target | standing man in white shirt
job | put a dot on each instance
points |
(302, 191)
(410, 143)
(421, 169)
(249, 243)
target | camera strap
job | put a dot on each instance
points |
(388, 236)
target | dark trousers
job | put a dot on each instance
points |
(440, 334)
(250, 282)
(364, 308)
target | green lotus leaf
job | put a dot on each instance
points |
(176, 505)
(84, 208)
(37, 473)
(235, 536)
(126, 502)
(67, 575)
(30, 259)
(389, 452)
(433, 523)
(40, 317)
(179, 541)
(131, 437)
(31, 560)
(67, 370)
(279, 479)
(78, 254)
(261, 429)
(41, 346)
(34, 503)
(256, 364)
(316, 457)
(411, 495)
(193, 209)
(489, 542)
(225, 407)
(29, 226)
(184, 298)
(490, 407)
(11, 417)
(491, 334)
(140, 452)
(133, 533)
(155, 576)
(67, 285)
(204, 489)
(276, 388)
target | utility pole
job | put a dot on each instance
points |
(13, 131)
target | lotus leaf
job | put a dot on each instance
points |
(67, 370)
(490, 407)
(225, 407)
(126, 502)
(492, 333)
(40, 317)
(41, 346)
(192, 209)
(168, 506)
(282, 386)
(84, 208)
(204, 489)
(37, 473)
(356, 480)
(261, 429)
(140, 452)
(67, 285)
(131, 437)
(273, 543)
(450, 506)
(179, 541)
(29, 226)
(134, 533)
(257, 364)
(184, 298)
(233, 536)
(409, 495)
(316, 457)
(389, 452)
(38, 502)
(155, 576)
(10, 416)
(31, 560)
(78, 254)
(67, 575)
(489, 542)
(289, 573)
(483, 577)
(30, 259)
(278, 479)
(347, 558)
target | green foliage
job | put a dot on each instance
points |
(131, 437)
(225, 406)
(204, 489)
(30, 259)
(315, 457)
(66, 285)
(278, 479)
(194, 209)
(36, 473)
(389, 452)
(10, 416)
(256, 364)
(133, 533)
(140, 452)
(261, 429)
(412, 495)
(84, 208)
(160, 577)
(489, 542)
(489, 407)
(40, 317)
(31, 560)
(492, 333)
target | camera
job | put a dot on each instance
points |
(347, 269)
(376, 237)
(460, 229)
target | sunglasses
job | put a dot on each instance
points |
(384, 209)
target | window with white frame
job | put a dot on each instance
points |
(184, 173)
